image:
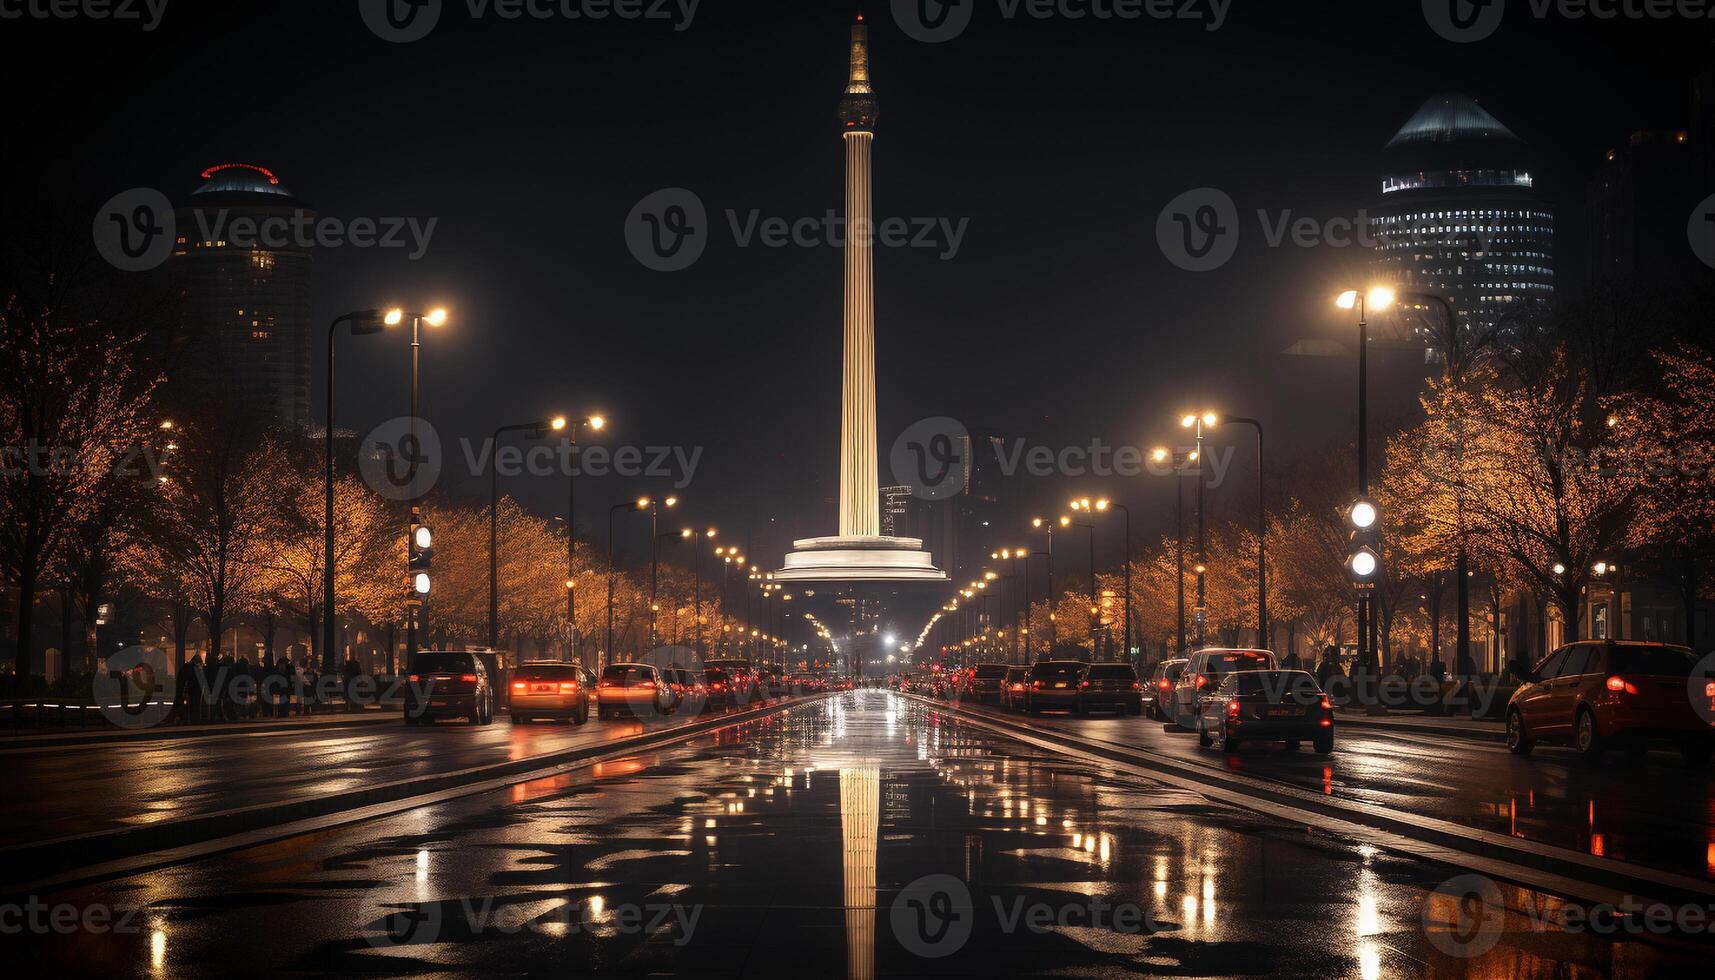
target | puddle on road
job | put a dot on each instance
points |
(857, 837)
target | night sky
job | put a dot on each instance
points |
(1059, 140)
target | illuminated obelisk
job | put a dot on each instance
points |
(859, 553)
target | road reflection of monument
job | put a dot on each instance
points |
(859, 553)
(860, 827)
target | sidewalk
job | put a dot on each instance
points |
(59, 737)
(1416, 721)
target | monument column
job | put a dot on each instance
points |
(860, 489)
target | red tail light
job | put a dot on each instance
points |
(1232, 709)
(1622, 686)
(468, 678)
(720, 687)
(1136, 685)
(1036, 685)
(1018, 687)
(1327, 705)
(414, 678)
(1083, 685)
(518, 685)
(1202, 681)
(567, 687)
(1165, 685)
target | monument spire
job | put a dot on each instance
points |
(860, 489)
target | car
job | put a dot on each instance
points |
(448, 684)
(687, 686)
(634, 689)
(1601, 694)
(984, 682)
(550, 689)
(722, 692)
(1159, 690)
(1113, 686)
(746, 685)
(1013, 687)
(1053, 684)
(1202, 674)
(1265, 706)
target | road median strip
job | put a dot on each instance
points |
(1535, 865)
(102, 854)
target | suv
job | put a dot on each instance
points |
(1110, 686)
(1053, 684)
(1202, 674)
(1598, 693)
(1159, 690)
(984, 681)
(635, 689)
(448, 684)
(551, 690)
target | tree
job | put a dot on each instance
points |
(71, 406)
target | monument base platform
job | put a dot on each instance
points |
(859, 559)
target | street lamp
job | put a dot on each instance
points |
(1101, 506)
(1197, 422)
(1261, 532)
(414, 597)
(535, 430)
(1378, 298)
(1068, 522)
(654, 507)
(359, 324)
(1053, 626)
(595, 423)
(1178, 462)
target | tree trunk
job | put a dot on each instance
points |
(1688, 584)
(1567, 596)
(65, 633)
(26, 621)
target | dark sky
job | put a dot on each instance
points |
(1059, 140)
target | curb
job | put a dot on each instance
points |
(1474, 734)
(101, 854)
(1528, 863)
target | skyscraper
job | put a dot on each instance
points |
(1461, 217)
(1636, 207)
(246, 296)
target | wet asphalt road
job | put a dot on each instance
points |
(856, 836)
(1649, 810)
(70, 790)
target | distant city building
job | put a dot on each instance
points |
(896, 512)
(246, 307)
(1461, 216)
(1636, 207)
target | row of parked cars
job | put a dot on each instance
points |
(463, 685)
(1593, 695)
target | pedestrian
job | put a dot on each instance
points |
(349, 676)
(1291, 661)
(193, 701)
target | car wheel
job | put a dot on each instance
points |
(1323, 744)
(1697, 752)
(1519, 741)
(582, 714)
(1585, 738)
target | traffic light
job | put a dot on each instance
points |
(421, 555)
(1363, 554)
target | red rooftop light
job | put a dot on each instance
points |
(217, 168)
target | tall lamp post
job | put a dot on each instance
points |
(417, 587)
(1068, 522)
(697, 594)
(359, 324)
(1376, 299)
(1197, 422)
(596, 423)
(1102, 506)
(1053, 626)
(1162, 455)
(535, 430)
(634, 506)
(654, 506)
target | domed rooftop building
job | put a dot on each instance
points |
(242, 264)
(1460, 217)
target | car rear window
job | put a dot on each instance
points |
(1227, 663)
(991, 670)
(1652, 661)
(1057, 671)
(546, 672)
(1112, 672)
(627, 675)
(443, 663)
